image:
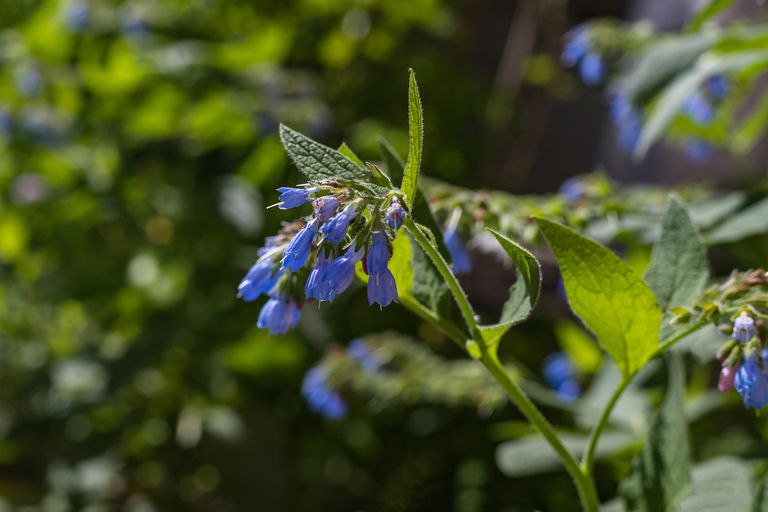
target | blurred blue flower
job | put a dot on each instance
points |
(28, 80)
(628, 119)
(292, 197)
(320, 397)
(592, 69)
(460, 261)
(336, 229)
(559, 375)
(573, 189)
(699, 150)
(744, 328)
(297, 252)
(278, 315)
(576, 46)
(395, 214)
(752, 382)
(717, 86)
(362, 353)
(699, 109)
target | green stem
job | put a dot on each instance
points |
(594, 437)
(584, 483)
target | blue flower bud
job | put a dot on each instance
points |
(336, 229)
(77, 16)
(325, 207)
(320, 397)
(278, 315)
(395, 214)
(592, 69)
(297, 252)
(260, 279)
(744, 328)
(459, 256)
(292, 197)
(752, 382)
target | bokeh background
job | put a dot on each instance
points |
(138, 151)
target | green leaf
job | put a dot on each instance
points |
(679, 268)
(751, 221)
(609, 297)
(661, 475)
(522, 295)
(410, 184)
(532, 455)
(663, 61)
(706, 13)
(319, 162)
(674, 96)
(719, 485)
(347, 152)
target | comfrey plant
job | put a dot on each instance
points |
(364, 226)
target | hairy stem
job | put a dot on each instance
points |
(597, 430)
(584, 483)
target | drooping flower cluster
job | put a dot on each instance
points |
(315, 257)
(560, 376)
(745, 363)
(579, 52)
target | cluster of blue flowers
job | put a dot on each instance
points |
(332, 240)
(579, 52)
(324, 400)
(628, 119)
(745, 364)
(560, 376)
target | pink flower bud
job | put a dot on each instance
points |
(727, 375)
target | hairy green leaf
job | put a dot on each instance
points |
(719, 485)
(679, 268)
(609, 297)
(661, 474)
(522, 295)
(751, 221)
(410, 184)
(319, 162)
